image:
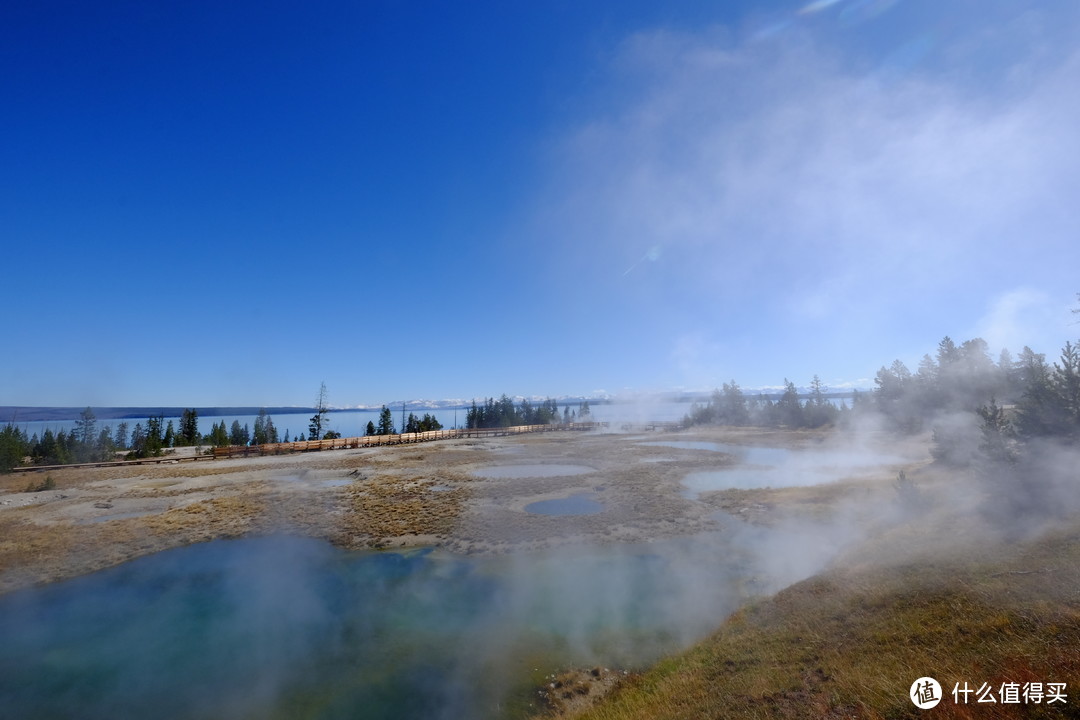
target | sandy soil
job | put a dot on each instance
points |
(429, 494)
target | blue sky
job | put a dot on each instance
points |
(229, 203)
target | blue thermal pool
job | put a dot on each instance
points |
(579, 504)
(283, 627)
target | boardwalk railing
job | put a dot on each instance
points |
(398, 439)
(334, 444)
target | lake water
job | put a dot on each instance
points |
(284, 627)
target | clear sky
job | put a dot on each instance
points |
(226, 203)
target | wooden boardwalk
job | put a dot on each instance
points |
(233, 451)
(399, 439)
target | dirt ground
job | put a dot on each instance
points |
(387, 497)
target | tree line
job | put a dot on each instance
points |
(964, 378)
(413, 424)
(730, 406)
(85, 443)
(504, 412)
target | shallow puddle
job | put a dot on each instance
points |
(504, 472)
(750, 454)
(579, 504)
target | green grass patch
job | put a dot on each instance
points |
(849, 643)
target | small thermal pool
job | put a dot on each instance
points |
(578, 504)
(750, 454)
(505, 472)
(780, 468)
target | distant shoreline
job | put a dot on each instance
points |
(17, 414)
(26, 413)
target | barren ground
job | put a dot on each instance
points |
(427, 494)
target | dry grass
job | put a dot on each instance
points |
(849, 643)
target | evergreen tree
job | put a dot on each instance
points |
(121, 436)
(219, 435)
(85, 432)
(189, 428)
(370, 430)
(138, 438)
(818, 411)
(238, 435)
(104, 448)
(13, 447)
(997, 434)
(318, 420)
(732, 405)
(154, 436)
(260, 435)
(789, 409)
(1040, 411)
(386, 422)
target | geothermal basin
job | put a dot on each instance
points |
(412, 582)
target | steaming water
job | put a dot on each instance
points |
(287, 627)
(781, 468)
(750, 454)
(503, 472)
(579, 504)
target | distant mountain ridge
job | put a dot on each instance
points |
(26, 413)
(22, 413)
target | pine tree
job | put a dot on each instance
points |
(120, 440)
(318, 420)
(13, 447)
(386, 422)
(260, 436)
(189, 428)
(238, 435)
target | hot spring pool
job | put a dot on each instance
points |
(282, 627)
(578, 504)
(781, 468)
